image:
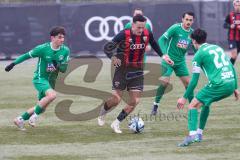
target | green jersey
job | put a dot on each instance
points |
(215, 64)
(129, 25)
(47, 56)
(175, 42)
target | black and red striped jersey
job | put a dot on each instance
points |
(233, 18)
(131, 47)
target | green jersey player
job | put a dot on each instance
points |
(175, 42)
(52, 59)
(222, 82)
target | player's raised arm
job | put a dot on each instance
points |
(31, 54)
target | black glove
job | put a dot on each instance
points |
(9, 67)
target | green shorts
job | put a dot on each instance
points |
(180, 69)
(208, 94)
(42, 85)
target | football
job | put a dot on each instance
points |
(136, 125)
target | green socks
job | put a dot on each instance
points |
(192, 119)
(25, 116)
(38, 109)
(122, 115)
(160, 92)
(204, 116)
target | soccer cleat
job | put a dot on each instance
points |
(154, 110)
(198, 138)
(19, 122)
(101, 120)
(187, 141)
(32, 120)
(115, 127)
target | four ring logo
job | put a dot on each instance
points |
(137, 46)
(104, 27)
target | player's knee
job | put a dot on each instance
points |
(190, 107)
(186, 82)
(52, 96)
(165, 83)
(134, 102)
(116, 100)
(137, 100)
(195, 104)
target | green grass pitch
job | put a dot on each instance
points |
(54, 139)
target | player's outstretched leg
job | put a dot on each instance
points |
(159, 94)
(108, 106)
(102, 114)
(41, 106)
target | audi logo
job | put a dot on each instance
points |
(104, 27)
(137, 46)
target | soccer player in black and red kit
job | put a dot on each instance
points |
(232, 23)
(128, 62)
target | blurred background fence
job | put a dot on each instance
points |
(89, 24)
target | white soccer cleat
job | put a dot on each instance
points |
(19, 122)
(101, 120)
(32, 120)
(115, 126)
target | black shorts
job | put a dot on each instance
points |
(129, 78)
(234, 44)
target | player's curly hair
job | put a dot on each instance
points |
(57, 30)
(199, 35)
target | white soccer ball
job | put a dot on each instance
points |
(136, 125)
